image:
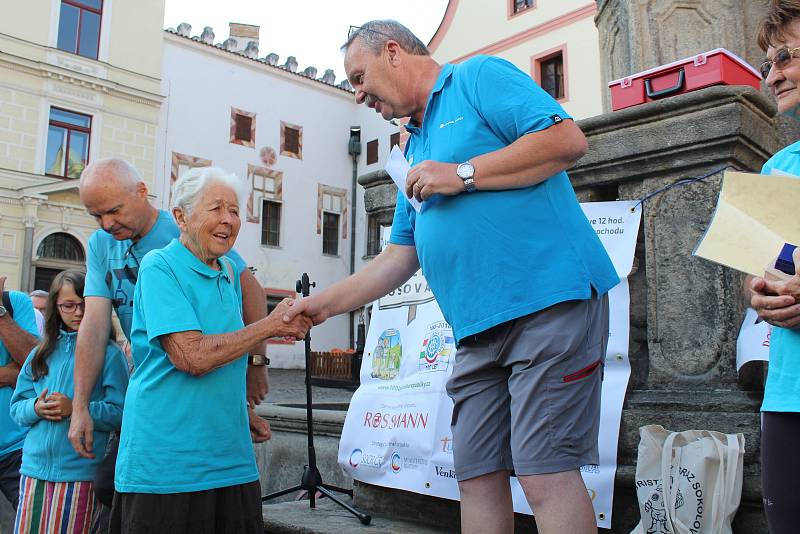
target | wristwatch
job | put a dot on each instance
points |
(466, 171)
(3, 311)
(257, 359)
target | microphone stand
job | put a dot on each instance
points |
(311, 480)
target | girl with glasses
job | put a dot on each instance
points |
(56, 489)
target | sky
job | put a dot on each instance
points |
(310, 30)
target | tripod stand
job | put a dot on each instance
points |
(311, 481)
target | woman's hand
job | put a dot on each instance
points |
(63, 403)
(46, 408)
(296, 328)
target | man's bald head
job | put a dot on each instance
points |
(110, 172)
(113, 192)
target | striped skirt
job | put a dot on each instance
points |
(54, 507)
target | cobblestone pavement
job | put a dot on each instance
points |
(288, 386)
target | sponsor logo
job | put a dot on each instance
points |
(370, 461)
(447, 444)
(396, 420)
(449, 123)
(421, 384)
(591, 468)
(387, 355)
(444, 472)
(397, 462)
(437, 346)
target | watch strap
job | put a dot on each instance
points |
(257, 359)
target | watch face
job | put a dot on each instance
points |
(3, 310)
(465, 170)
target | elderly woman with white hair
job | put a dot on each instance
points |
(186, 463)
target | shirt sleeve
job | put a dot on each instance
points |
(23, 312)
(511, 102)
(237, 260)
(24, 397)
(160, 300)
(106, 412)
(96, 270)
(402, 233)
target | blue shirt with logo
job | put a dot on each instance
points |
(12, 436)
(184, 433)
(782, 390)
(112, 266)
(493, 256)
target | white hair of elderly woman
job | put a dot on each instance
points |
(189, 187)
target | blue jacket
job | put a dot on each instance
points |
(47, 453)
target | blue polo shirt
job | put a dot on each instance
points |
(184, 433)
(493, 256)
(782, 390)
(112, 266)
(12, 436)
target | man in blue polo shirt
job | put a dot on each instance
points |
(17, 339)
(516, 268)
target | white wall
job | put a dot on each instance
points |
(202, 83)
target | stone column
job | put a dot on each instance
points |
(30, 218)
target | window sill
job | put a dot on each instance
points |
(274, 247)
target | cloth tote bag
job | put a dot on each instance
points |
(688, 482)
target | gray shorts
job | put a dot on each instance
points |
(526, 393)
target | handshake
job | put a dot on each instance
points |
(292, 319)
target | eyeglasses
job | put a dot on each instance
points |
(353, 31)
(781, 59)
(70, 307)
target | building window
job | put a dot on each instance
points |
(394, 140)
(79, 27)
(56, 252)
(270, 223)
(330, 233)
(372, 152)
(243, 128)
(265, 184)
(521, 5)
(553, 76)
(67, 143)
(291, 140)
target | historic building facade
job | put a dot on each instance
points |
(79, 80)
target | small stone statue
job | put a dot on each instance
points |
(207, 36)
(329, 77)
(184, 29)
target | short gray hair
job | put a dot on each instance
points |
(188, 188)
(376, 33)
(38, 293)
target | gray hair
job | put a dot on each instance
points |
(376, 33)
(38, 293)
(188, 188)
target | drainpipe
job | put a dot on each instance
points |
(354, 149)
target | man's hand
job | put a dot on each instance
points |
(257, 385)
(62, 402)
(259, 428)
(777, 302)
(81, 431)
(8, 374)
(432, 177)
(310, 307)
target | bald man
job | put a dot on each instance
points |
(113, 192)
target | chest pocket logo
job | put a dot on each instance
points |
(451, 122)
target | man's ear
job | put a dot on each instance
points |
(141, 190)
(393, 52)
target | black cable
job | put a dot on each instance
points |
(685, 181)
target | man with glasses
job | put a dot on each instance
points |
(113, 192)
(18, 336)
(778, 302)
(516, 269)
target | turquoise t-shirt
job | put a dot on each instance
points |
(493, 256)
(782, 390)
(183, 433)
(12, 436)
(112, 266)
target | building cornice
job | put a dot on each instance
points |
(48, 71)
(262, 66)
(566, 19)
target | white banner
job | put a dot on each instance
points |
(753, 341)
(397, 430)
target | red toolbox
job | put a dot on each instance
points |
(717, 67)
